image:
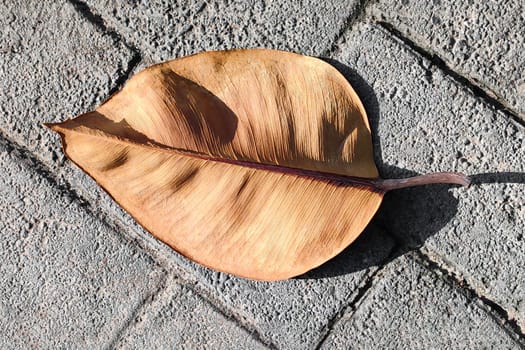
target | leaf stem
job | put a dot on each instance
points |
(435, 178)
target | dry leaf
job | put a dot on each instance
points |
(254, 162)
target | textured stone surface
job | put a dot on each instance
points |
(412, 308)
(179, 318)
(425, 121)
(482, 40)
(54, 64)
(66, 279)
(170, 29)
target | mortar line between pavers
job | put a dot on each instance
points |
(98, 21)
(362, 292)
(355, 16)
(477, 88)
(186, 278)
(164, 287)
(221, 306)
(39, 167)
(491, 308)
(457, 281)
(122, 78)
(227, 312)
(102, 23)
(119, 335)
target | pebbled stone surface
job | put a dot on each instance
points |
(410, 307)
(170, 29)
(425, 121)
(179, 318)
(54, 64)
(66, 279)
(482, 40)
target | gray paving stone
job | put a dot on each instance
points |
(66, 279)
(425, 121)
(410, 307)
(172, 29)
(179, 318)
(482, 40)
(290, 314)
(54, 65)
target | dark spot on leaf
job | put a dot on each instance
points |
(119, 160)
(183, 179)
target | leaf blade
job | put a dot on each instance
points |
(256, 223)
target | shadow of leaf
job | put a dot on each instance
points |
(506, 177)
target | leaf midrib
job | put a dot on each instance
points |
(327, 177)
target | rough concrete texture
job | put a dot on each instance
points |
(66, 279)
(482, 40)
(172, 29)
(180, 319)
(424, 121)
(410, 307)
(290, 314)
(46, 76)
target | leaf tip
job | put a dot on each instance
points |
(52, 126)
(56, 127)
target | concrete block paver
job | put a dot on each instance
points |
(66, 279)
(410, 307)
(54, 64)
(482, 40)
(425, 121)
(173, 29)
(179, 318)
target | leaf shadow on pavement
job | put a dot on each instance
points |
(407, 217)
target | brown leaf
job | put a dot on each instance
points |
(253, 162)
